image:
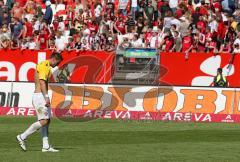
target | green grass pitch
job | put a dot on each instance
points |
(109, 140)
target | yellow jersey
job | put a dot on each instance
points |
(44, 70)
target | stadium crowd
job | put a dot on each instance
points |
(169, 25)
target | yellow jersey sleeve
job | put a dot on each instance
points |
(44, 70)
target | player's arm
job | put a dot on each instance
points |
(43, 86)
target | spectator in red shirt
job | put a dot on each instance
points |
(225, 47)
(169, 42)
(199, 41)
(93, 26)
(71, 44)
(203, 10)
(190, 6)
(55, 24)
(45, 28)
(201, 24)
(43, 40)
(70, 13)
(216, 6)
(28, 32)
(187, 43)
(221, 32)
(119, 26)
(212, 45)
(148, 36)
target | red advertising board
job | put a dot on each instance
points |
(124, 115)
(97, 67)
(199, 69)
(79, 67)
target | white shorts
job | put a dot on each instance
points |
(39, 103)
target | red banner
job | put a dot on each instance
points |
(124, 115)
(199, 69)
(77, 67)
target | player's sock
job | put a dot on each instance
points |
(44, 133)
(33, 128)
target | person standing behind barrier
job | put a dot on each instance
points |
(49, 13)
(17, 31)
(220, 80)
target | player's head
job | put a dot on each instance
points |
(219, 70)
(55, 59)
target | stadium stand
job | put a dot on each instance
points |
(168, 25)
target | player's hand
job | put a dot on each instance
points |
(47, 99)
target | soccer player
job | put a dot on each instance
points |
(41, 103)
